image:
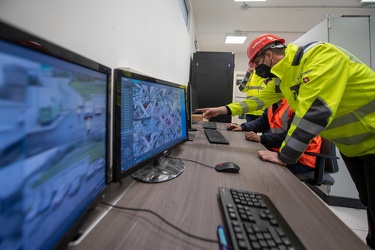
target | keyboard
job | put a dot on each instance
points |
(209, 125)
(254, 222)
(215, 136)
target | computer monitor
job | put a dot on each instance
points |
(54, 124)
(190, 111)
(189, 106)
(189, 101)
(149, 121)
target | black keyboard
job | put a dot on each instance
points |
(215, 136)
(209, 125)
(254, 222)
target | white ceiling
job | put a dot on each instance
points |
(289, 19)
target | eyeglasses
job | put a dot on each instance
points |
(257, 59)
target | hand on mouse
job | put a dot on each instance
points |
(270, 156)
(234, 127)
(252, 136)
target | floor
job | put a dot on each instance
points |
(355, 219)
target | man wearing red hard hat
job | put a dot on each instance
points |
(332, 94)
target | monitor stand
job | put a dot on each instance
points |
(191, 136)
(163, 169)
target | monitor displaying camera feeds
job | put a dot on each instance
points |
(54, 141)
(150, 119)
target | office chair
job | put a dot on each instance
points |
(326, 164)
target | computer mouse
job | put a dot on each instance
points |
(227, 167)
(231, 127)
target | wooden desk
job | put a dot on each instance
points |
(191, 203)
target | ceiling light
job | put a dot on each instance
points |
(367, 1)
(251, 0)
(235, 39)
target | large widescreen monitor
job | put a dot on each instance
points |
(150, 119)
(54, 127)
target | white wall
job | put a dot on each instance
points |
(146, 35)
(241, 62)
(318, 33)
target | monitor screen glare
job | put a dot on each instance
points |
(53, 160)
(152, 120)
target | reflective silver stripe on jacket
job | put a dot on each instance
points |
(307, 128)
(290, 150)
(354, 139)
(255, 87)
(242, 86)
(351, 117)
(245, 108)
(284, 122)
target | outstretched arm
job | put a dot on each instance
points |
(212, 112)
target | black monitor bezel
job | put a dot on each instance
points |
(189, 105)
(19, 37)
(116, 147)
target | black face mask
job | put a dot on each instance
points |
(264, 71)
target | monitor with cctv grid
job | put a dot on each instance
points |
(54, 164)
(150, 120)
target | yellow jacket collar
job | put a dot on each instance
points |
(284, 64)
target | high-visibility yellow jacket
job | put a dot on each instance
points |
(332, 94)
(253, 86)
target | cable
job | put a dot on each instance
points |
(192, 161)
(161, 218)
(222, 129)
(201, 131)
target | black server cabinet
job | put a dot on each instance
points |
(212, 81)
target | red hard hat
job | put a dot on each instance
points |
(259, 43)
